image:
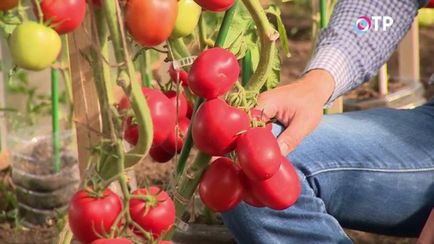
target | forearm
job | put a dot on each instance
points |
(352, 58)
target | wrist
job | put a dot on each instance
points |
(321, 83)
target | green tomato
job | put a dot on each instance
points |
(34, 46)
(187, 19)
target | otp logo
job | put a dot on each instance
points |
(364, 23)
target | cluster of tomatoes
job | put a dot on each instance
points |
(260, 175)
(34, 45)
(93, 215)
(147, 26)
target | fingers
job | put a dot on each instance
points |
(299, 127)
(266, 105)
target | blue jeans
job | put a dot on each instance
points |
(371, 170)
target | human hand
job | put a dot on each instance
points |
(298, 106)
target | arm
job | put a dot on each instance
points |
(343, 60)
(353, 58)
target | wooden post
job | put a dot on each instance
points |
(408, 52)
(6, 64)
(86, 108)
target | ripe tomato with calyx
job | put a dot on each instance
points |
(281, 190)
(258, 153)
(156, 215)
(34, 46)
(178, 100)
(151, 22)
(8, 4)
(90, 215)
(64, 15)
(175, 141)
(160, 155)
(221, 186)
(215, 5)
(112, 241)
(163, 115)
(216, 126)
(213, 73)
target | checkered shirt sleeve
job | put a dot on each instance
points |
(353, 58)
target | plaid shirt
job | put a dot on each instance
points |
(353, 58)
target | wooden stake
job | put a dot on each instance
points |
(409, 60)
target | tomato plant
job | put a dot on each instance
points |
(258, 153)
(156, 214)
(8, 4)
(175, 141)
(151, 22)
(215, 5)
(64, 15)
(221, 187)
(91, 215)
(216, 126)
(213, 73)
(187, 19)
(281, 190)
(34, 46)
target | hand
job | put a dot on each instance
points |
(298, 106)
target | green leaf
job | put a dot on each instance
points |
(274, 10)
(273, 78)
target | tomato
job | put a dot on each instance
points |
(215, 5)
(178, 75)
(65, 15)
(221, 186)
(174, 143)
(281, 190)
(430, 4)
(189, 109)
(34, 46)
(187, 19)
(112, 241)
(160, 155)
(151, 22)
(181, 104)
(258, 153)
(213, 73)
(163, 116)
(155, 216)
(216, 125)
(259, 117)
(248, 196)
(8, 4)
(88, 214)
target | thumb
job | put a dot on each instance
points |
(293, 135)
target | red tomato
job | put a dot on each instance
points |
(182, 102)
(65, 15)
(430, 4)
(8, 4)
(88, 214)
(258, 153)
(213, 73)
(248, 196)
(221, 186)
(174, 143)
(216, 125)
(112, 241)
(162, 112)
(259, 116)
(160, 155)
(151, 22)
(215, 5)
(178, 75)
(155, 216)
(281, 190)
(189, 109)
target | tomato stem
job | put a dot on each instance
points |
(39, 11)
(67, 78)
(267, 36)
